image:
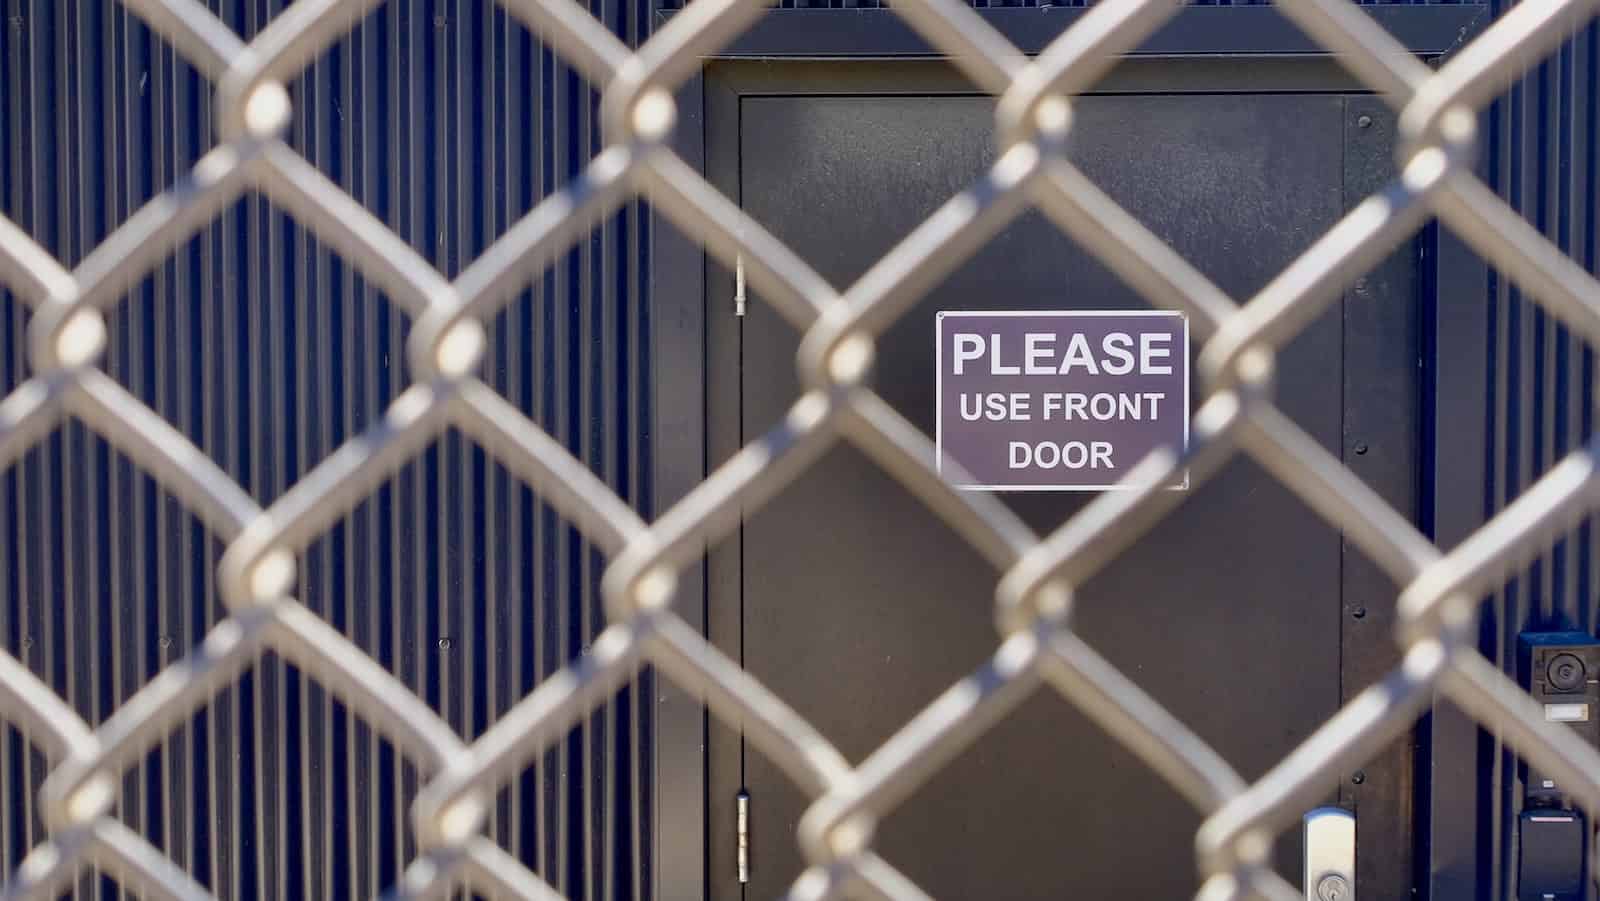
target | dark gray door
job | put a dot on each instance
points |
(851, 600)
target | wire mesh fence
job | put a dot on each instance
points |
(1036, 647)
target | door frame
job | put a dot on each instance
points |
(689, 321)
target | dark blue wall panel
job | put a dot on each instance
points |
(1540, 155)
(448, 121)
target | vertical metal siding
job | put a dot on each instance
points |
(447, 120)
(1540, 142)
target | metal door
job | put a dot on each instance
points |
(1245, 614)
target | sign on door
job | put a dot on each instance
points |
(1065, 400)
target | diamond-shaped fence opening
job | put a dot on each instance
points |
(1036, 650)
(68, 589)
(58, 182)
(201, 795)
(460, 68)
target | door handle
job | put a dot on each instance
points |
(1330, 854)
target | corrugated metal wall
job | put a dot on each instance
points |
(1541, 146)
(448, 121)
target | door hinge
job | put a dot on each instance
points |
(738, 285)
(742, 808)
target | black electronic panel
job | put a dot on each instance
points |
(1562, 671)
(1550, 862)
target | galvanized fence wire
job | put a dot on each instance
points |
(1034, 597)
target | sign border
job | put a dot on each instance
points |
(938, 396)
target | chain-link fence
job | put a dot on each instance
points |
(1033, 601)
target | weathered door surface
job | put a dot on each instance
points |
(854, 603)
